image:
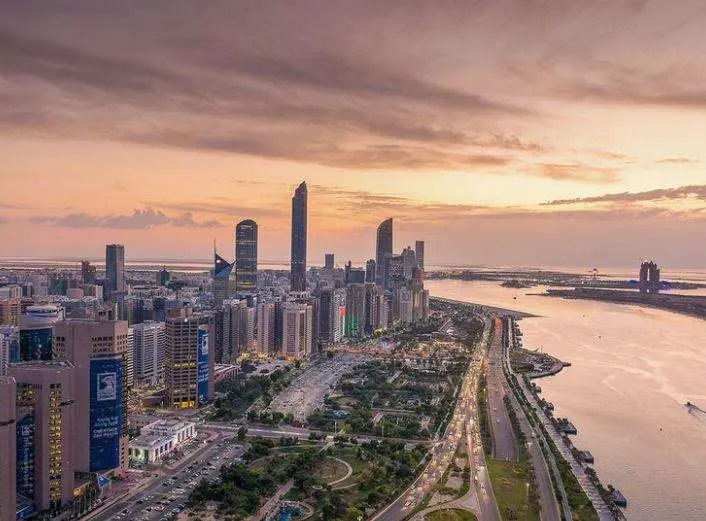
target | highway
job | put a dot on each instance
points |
(504, 442)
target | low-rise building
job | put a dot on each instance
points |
(160, 438)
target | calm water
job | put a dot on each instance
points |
(633, 369)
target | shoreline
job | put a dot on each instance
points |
(518, 315)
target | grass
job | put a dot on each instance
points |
(451, 515)
(510, 486)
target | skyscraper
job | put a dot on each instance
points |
(383, 251)
(97, 350)
(266, 327)
(370, 270)
(238, 329)
(148, 352)
(297, 340)
(355, 310)
(246, 255)
(8, 451)
(114, 268)
(419, 251)
(181, 359)
(222, 273)
(329, 261)
(36, 332)
(45, 432)
(299, 233)
(88, 273)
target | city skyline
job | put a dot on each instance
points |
(456, 131)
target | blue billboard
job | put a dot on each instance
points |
(35, 344)
(106, 412)
(25, 455)
(202, 388)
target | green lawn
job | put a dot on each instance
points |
(510, 487)
(451, 515)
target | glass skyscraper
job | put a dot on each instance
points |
(299, 214)
(246, 255)
(114, 268)
(383, 252)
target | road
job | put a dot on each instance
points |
(165, 496)
(504, 443)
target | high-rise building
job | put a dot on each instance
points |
(297, 330)
(9, 346)
(45, 432)
(299, 236)
(329, 261)
(148, 352)
(36, 332)
(396, 274)
(327, 314)
(372, 311)
(402, 308)
(246, 255)
(238, 329)
(8, 451)
(11, 309)
(88, 272)
(340, 324)
(114, 269)
(419, 252)
(129, 359)
(409, 262)
(266, 327)
(98, 351)
(162, 277)
(355, 310)
(222, 276)
(188, 361)
(370, 270)
(383, 251)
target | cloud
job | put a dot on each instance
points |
(697, 192)
(138, 220)
(576, 172)
(676, 160)
(218, 208)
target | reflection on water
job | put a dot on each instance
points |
(633, 370)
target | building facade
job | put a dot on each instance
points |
(8, 450)
(383, 251)
(115, 269)
(246, 256)
(36, 332)
(148, 353)
(299, 239)
(297, 341)
(266, 328)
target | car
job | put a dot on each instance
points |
(140, 501)
(159, 507)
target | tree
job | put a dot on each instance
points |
(241, 433)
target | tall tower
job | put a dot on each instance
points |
(115, 268)
(222, 273)
(8, 451)
(246, 255)
(299, 226)
(383, 252)
(181, 359)
(419, 251)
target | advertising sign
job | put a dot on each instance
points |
(106, 412)
(203, 397)
(25, 455)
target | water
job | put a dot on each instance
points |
(633, 369)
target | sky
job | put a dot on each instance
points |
(503, 132)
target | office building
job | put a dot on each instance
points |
(355, 310)
(8, 451)
(246, 256)
(266, 328)
(222, 277)
(129, 359)
(88, 272)
(383, 252)
(188, 364)
(45, 432)
(36, 332)
(339, 329)
(159, 439)
(328, 312)
(11, 291)
(9, 346)
(97, 350)
(329, 261)
(11, 309)
(299, 238)
(370, 270)
(148, 353)
(114, 269)
(297, 330)
(162, 277)
(396, 276)
(238, 329)
(419, 253)
(409, 262)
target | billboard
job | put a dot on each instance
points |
(25, 455)
(106, 402)
(202, 388)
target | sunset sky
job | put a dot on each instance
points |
(503, 132)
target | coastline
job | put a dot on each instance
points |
(489, 309)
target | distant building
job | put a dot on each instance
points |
(45, 432)
(373, 292)
(246, 256)
(9, 344)
(97, 350)
(8, 451)
(36, 332)
(222, 275)
(649, 278)
(355, 310)
(409, 262)
(396, 278)
(329, 261)
(419, 252)
(383, 251)
(88, 272)
(299, 239)
(162, 277)
(297, 331)
(115, 269)
(370, 270)
(148, 352)
(238, 329)
(266, 327)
